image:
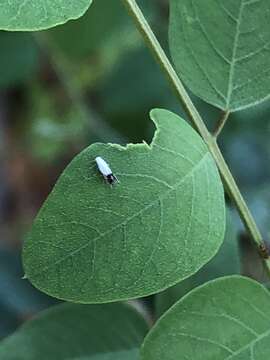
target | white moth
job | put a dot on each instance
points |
(106, 171)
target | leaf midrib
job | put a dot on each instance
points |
(200, 162)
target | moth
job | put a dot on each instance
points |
(106, 171)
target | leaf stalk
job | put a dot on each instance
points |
(221, 123)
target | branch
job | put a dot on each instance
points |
(196, 120)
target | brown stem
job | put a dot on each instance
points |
(221, 123)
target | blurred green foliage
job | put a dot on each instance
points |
(19, 58)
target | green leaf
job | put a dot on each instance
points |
(226, 262)
(162, 222)
(221, 49)
(19, 58)
(228, 318)
(69, 331)
(30, 15)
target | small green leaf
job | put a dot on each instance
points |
(30, 15)
(228, 318)
(221, 49)
(165, 219)
(68, 331)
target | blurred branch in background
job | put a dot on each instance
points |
(64, 72)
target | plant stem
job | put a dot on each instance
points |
(196, 120)
(221, 123)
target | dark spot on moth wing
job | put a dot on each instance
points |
(111, 179)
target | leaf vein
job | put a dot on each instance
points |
(155, 244)
(204, 73)
(226, 316)
(257, 76)
(255, 52)
(249, 345)
(106, 211)
(145, 176)
(207, 37)
(191, 212)
(233, 60)
(227, 12)
(175, 153)
(195, 337)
